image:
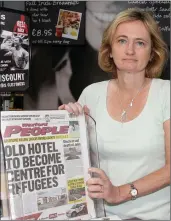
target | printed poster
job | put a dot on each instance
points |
(14, 51)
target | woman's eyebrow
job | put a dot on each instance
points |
(124, 36)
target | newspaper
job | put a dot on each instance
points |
(47, 160)
(4, 209)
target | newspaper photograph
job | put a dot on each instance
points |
(46, 165)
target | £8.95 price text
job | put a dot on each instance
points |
(40, 32)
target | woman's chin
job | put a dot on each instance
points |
(128, 70)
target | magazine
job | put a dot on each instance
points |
(46, 163)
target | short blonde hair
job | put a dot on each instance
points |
(159, 47)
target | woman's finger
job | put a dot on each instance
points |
(86, 110)
(62, 107)
(95, 188)
(65, 107)
(99, 172)
(96, 195)
(69, 108)
(94, 181)
(74, 108)
(80, 108)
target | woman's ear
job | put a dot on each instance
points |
(110, 55)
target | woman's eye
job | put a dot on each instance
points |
(122, 41)
(140, 43)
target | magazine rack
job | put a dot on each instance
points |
(94, 159)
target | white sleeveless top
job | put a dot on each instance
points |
(134, 149)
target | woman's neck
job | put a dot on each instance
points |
(130, 82)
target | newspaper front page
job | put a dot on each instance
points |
(47, 160)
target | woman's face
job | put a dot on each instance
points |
(131, 47)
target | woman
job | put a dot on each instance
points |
(132, 120)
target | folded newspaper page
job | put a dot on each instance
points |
(4, 209)
(46, 165)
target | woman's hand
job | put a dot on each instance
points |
(102, 187)
(75, 108)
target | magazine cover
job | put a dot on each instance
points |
(46, 162)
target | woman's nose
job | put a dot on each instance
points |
(130, 48)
